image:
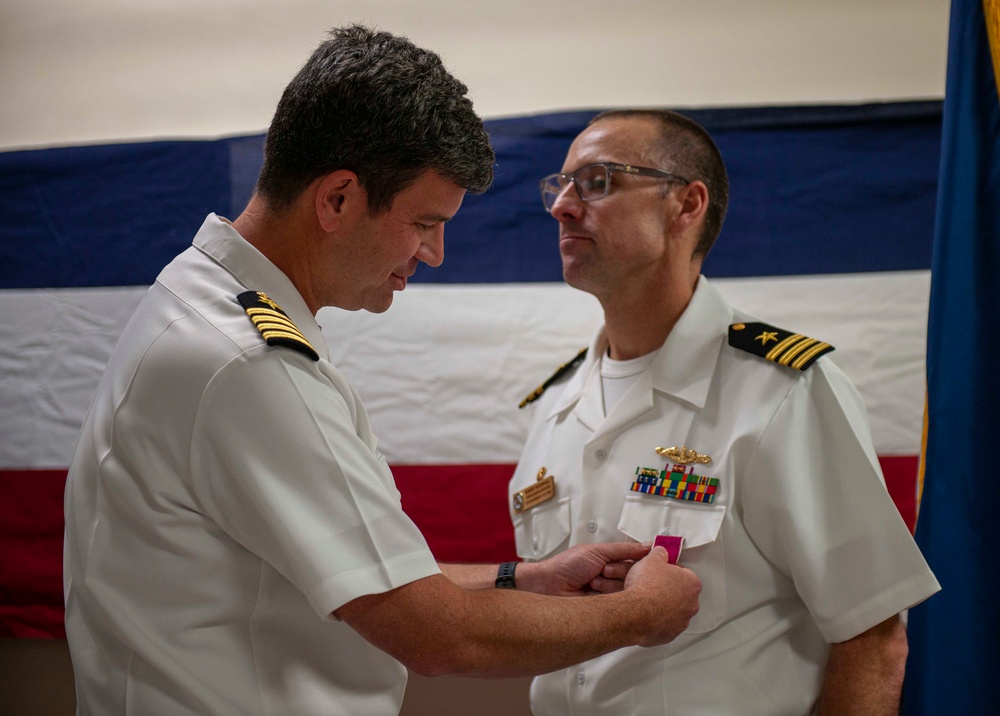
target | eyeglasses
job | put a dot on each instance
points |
(593, 181)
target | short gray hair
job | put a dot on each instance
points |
(689, 150)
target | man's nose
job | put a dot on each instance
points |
(567, 204)
(431, 250)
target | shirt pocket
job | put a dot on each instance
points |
(644, 518)
(542, 530)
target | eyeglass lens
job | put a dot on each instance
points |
(592, 182)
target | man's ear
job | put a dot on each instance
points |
(694, 205)
(338, 196)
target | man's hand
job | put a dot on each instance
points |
(583, 569)
(662, 583)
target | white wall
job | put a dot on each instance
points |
(80, 71)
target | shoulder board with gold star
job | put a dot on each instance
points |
(774, 344)
(274, 324)
(560, 372)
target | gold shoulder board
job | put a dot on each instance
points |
(774, 344)
(274, 324)
(560, 372)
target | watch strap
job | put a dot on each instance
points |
(505, 576)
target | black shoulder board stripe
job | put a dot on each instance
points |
(783, 347)
(274, 324)
(560, 372)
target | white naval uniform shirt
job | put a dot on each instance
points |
(226, 497)
(802, 546)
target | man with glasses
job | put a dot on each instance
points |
(739, 445)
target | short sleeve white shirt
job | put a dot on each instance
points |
(224, 499)
(801, 547)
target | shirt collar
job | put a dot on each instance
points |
(220, 240)
(683, 366)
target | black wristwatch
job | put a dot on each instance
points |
(505, 576)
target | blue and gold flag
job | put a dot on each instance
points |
(956, 527)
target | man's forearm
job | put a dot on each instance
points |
(579, 570)
(470, 576)
(529, 576)
(504, 634)
(436, 627)
(864, 676)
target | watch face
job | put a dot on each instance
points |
(518, 502)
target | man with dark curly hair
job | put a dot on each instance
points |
(234, 539)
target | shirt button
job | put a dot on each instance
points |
(580, 678)
(592, 526)
(534, 543)
(600, 454)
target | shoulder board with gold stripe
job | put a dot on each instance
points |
(783, 347)
(274, 324)
(560, 372)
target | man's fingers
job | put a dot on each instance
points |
(616, 570)
(621, 551)
(607, 586)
